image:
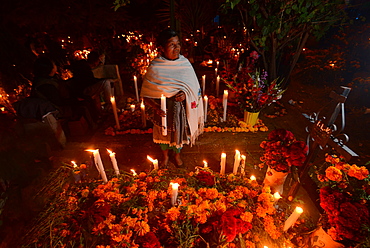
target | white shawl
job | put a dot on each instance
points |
(168, 77)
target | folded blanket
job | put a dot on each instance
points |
(168, 77)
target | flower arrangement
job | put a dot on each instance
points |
(344, 196)
(253, 90)
(282, 151)
(211, 210)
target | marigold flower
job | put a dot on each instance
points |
(358, 172)
(173, 213)
(334, 174)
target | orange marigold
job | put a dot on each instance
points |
(334, 174)
(358, 172)
(173, 213)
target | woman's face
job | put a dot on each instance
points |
(172, 49)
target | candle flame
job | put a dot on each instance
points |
(150, 159)
(253, 178)
(112, 99)
(110, 152)
(205, 163)
(299, 210)
(142, 105)
(277, 195)
(135, 78)
(205, 98)
(243, 157)
(133, 172)
(223, 155)
(174, 185)
(74, 164)
(92, 150)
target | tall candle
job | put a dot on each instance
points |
(205, 108)
(217, 86)
(143, 116)
(154, 161)
(236, 162)
(113, 159)
(114, 108)
(242, 165)
(99, 164)
(204, 84)
(174, 193)
(136, 89)
(226, 93)
(164, 118)
(132, 107)
(292, 218)
(223, 163)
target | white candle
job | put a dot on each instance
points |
(112, 156)
(204, 84)
(223, 163)
(154, 161)
(292, 218)
(217, 86)
(136, 89)
(132, 107)
(242, 165)
(205, 108)
(205, 164)
(99, 164)
(236, 162)
(143, 116)
(174, 193)
(164, 118)
(226, 94)
(114, 108)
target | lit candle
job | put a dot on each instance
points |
(154, 161)
(292, 218)
(114, 108)
(99, 164)
(216, 72)
(143, 116)
(205, 164)
(174, 193)
(132, 106)
(217, 86)
(217, 63)
(223, 163)
(226, 93)
(204, 84)
(133, 172)
(136, 89)
(253, 178)
(164, 118)
(74, 164)
(242, 165)
(276, 196)
(112, 156)
(205, 108)
(236, 162)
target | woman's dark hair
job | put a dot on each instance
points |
(164, 36)
(42, 67)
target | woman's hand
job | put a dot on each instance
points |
(179, 97)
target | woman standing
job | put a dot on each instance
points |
(172, 75)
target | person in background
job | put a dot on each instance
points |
(172, 75)
(85, 85)
(47, 86)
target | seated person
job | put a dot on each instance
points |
(46, 86)
(85, 85)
